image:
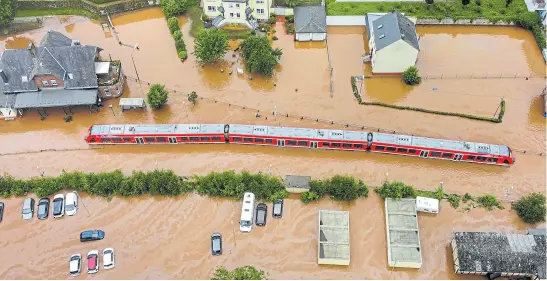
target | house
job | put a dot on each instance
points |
(310, 23)
(60, 72)
(240, 12)
(538, 6)
(393, 43)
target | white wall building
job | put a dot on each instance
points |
(310, 23)
(242, 12)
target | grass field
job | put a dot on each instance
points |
(49, 12)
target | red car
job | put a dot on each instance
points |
(92, 262)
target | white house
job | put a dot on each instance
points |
(242, 12)
(393, 43)
(310, 23)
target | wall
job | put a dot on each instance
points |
(346, 20)
(112, 8)
(281, 11)
(361, 21)
(394, 58)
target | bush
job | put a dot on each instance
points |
(308, 196)
(173, 8)
(240, 273)
(395, 190)
(180, 45)
(193, 97)
(454, 200)
(157, 96)
(177, 35)
(289, 19)
(489, 202)
(339, 188)
(411, 77)
(531, 208)
(173, 24)
(467, 197)
(183, 55)
(68, 118)
(539, 34)
(272, 19)
(274, 38)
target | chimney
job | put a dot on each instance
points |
(75, 42)
(32, 48)
(4, 76)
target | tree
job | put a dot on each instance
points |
(6, 11)
(429, 1)
(193, 97)
(465, 2)
(292, 3)
(173, 8)
(210, 45)
(259, 55)
(173, 24)
(531, 208)
(411, 76)
(240, 273)
(157, 96)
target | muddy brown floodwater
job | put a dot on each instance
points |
(169, 238)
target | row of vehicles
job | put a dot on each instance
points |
(75, 263)
(62, 204)
(257, 215)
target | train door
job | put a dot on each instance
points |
(313, 144)
(280, 142)
(172, 140)
(369, 141)
(458, 157)
(424, 153)
(139, 140)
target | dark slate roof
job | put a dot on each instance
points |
(17, 63)
(310, 19)
(394, 26)
(55, 39)
(297, 181)
(55, 98)
(500, 252)
(7, 100)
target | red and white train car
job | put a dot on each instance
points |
(302, 137)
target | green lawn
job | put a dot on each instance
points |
(194, 13)
(38, 13)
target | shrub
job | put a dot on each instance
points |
(68, 118)
(489, 202)
(183, 55)
(292, 3)
(240, 273)
(539, 34)
(173, 24)
(173, 8)
(439, 193)
(339, 188)
(308, 196)
(157, 96)
(274, 38)
(531, 208)
(180, 45)
(193, 97)
(289, 19)
(411, 76)
(177, 35)
(467, 197)
(454, 200)
(272, 19)
(395, 190)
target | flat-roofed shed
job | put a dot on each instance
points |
(297, 184)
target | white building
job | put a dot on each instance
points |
(242, 12)
(333, 241)
(310, 23)
(427, 205)
(393, 43)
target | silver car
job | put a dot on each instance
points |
(28, 208)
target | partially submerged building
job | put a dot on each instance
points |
(333, 241)
(403, 235)
(499, 254)
(239, 12)
(310, 23)
(297, 184)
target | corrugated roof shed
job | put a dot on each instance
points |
(499, 252)
(334, 241)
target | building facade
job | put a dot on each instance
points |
(310, 23)
(240, 12)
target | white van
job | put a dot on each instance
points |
(247, 212)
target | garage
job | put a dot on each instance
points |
(310, 23)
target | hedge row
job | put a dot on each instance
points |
(339, 188)
(173, 23)
(418, 109)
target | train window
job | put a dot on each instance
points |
(402, 150)
(116, 139)
(303, 143)
(205, 138)
(434, 154)
(326, 144)
(106, 140)
(216, 138)
(127, 139)
(259, 140)
(480, 158)
(269, 141)
(161, 139)
(291, 142)
(236, 139)
(248, 139)
(335, 144)
(379, 148)
(346, 145)
(194, 139)
(413, 151)
(389, 148)
(149, 139)
(184, 139)
(357, 145)
(470, 157)
(493, 160)
(448, 155)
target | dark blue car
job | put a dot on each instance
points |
(91, 235)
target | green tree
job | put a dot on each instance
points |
(193, 97)
(6, 11)
(157, 96)
(173, 8)
(210, 45)
(292, 3)
(531, 208)
(177, 35)
(173, 24)
(395, 190)
(240, 273)
(259, 55)
(411, 76)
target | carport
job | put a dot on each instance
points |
(48, 98)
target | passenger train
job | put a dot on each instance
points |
(302, 137)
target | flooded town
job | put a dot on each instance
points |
(479, 100)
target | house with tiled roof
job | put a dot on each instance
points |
(310, 23)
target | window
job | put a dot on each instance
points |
(389, 148)
(382, 36)
(53, 82)
(434, 154)
(260, 11)
(45, 83)
(247, 139)
(259, 140)
(24, 78)
(194, 139)
(230, 5)
(480, 158)
(492, 160)
(380, 26)
(448, 155)
(402, 150)
(117, 139)
(205, 138)
(238, 15)
(335, 144)
(215, 138)
(231, 15)
(379, 148)
(269, 141)
(184, 139)
(471, 157)
(326, 144)
(303, 143)
(259, 1)
(346, 145)
(149, 139)
(70, 76)
(211, 8)
(161, 139)
(107, 140)
(127, 139)
(291, 142)
(237, 5)
(413, 151)
(236, 139)
(358, 145)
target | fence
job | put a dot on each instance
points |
(48, 150)
(330, 70)
(468, 76)
(346, 21)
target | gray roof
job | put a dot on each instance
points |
(55, 98)
(297, 181)
(7, 100)
(17, 63)
(392, 27)
(310, 19)
(55, 39)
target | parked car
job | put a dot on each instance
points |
(93, 262)
(58, 205)
(261, 214)
(71, 203)
(91, 235)
(75, 265)
(28, 208)
(43, 209)
(108, 258)
(1, 211)
(216, 244)
(277, 211)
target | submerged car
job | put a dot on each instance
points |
(261, 214)
(28, 208)
(92, 262)
(1, 211)
(108, 258)
(43, 209)
(91, 235)
(75, 265)
(216, 244)
(71, 203)
(277, 211)
(58, 205)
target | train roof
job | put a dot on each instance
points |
(157, 129)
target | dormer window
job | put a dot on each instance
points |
(45, 83)
(382, 36)
(70, 76)
(24, 79)
(380, 26)
(53, 83)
